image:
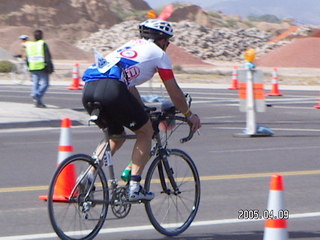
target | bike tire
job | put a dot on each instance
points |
(73, 215)
(171, 213)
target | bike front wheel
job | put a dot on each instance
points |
(78, 198)
(172, 210)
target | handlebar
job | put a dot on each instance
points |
(159, 116)
(190, 135)
(156, 117)
(170, 114)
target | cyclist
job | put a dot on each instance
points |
(24, 40)
(112, 82)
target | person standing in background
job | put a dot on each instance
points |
(40, 66)
(24, 40)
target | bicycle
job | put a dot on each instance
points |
(172, 176)
(19, 72)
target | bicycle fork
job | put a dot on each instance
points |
(164, 167)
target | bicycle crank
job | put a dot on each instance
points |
(119, 203)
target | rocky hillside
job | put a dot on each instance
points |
(207, 43)
(66, 19)
(104, 24)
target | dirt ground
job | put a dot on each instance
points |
(217, 73)
(208, 73)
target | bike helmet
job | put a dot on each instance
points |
(155, 29)
(23, 37)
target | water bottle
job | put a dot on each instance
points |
(126, 174)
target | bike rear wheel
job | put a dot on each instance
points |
(78, 198)
(171, 212)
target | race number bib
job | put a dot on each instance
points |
(105, 63)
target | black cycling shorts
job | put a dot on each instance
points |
(119, 107)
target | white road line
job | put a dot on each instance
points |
(278, 129)
(263, 149)
(149, 227)
(84, 127)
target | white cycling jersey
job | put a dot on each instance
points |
(134, 63)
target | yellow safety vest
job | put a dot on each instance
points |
(35, 55)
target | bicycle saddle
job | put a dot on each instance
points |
(96, 106)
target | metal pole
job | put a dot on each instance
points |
(251, 118)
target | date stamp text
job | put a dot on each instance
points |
(256, 214)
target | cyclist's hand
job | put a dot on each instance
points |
(149, 109)
(195, 120)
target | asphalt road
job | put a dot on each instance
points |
(235, 171)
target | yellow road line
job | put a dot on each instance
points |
(23, 189)
(259, 175)
(203, 178)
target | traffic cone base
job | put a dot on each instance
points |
(67, 178)
(276, 228)
(234, 81)
(275, 234)
(275, 92)
(64, 184)
(275, 85)
(75, 78)
(318, 105)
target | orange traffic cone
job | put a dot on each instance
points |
(317, 106)
(67, 178)
(275, 85)
(75, 78)
(65, 143)
(276, 222)
(234, 81)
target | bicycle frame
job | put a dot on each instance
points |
(93, 193)
(103, 156)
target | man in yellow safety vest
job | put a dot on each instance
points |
(40, 66)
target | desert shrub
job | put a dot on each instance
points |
(6, 66)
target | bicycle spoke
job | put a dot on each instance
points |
(81, 215)
(172, 212)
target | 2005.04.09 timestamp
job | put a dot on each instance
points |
(265, 214)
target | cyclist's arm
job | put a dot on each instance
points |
(173, 89)
(178, 99)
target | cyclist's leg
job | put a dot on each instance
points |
(120, 108)
(106, 92)
(131, 114)
(140, 156)
(142, 148)
(115, 144)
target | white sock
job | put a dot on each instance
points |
(134, 186)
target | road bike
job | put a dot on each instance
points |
(19, 72)
(172, 176)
